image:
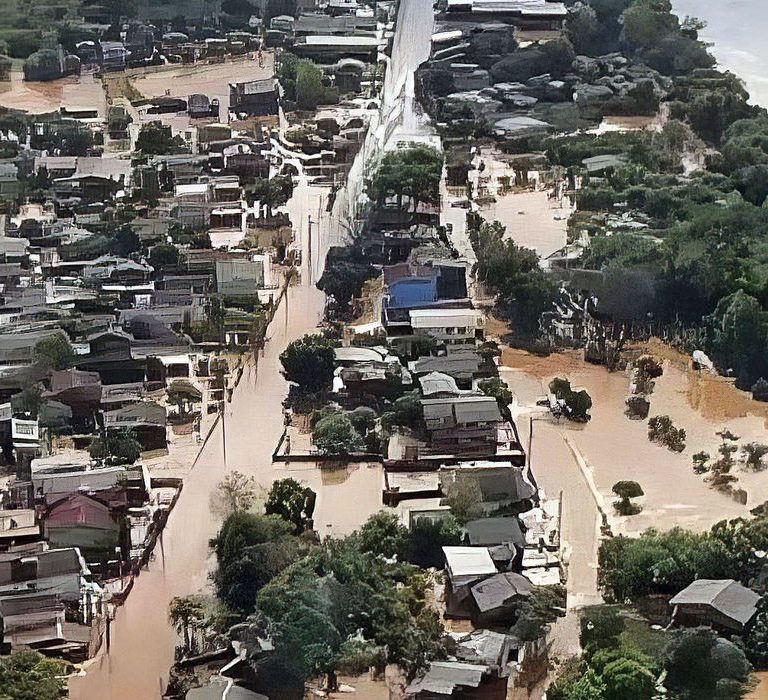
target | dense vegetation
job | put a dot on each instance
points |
(343, 604)
(512, 272)
(625, 658)
(666, 562)
(696, 253)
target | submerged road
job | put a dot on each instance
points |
(142, 639)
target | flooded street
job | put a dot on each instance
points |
(142, 640)
(533, 220)
(211, 79)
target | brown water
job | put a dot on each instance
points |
(143, 641)
(83, 91)
(531, 218)
(760, 691)
(617, 448)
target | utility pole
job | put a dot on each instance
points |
(224, 427)
(309, 248)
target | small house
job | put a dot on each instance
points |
(256, 97)
(720, 603)
(456, 679)
(497, 599)
(465, 425)
(146, 419)
(83, 521)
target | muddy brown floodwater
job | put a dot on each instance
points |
(142, 639)
(83, 92)
(617, 448)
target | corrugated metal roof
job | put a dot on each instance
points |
(494, 592)
(724, 595)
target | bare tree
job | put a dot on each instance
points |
(235, 492)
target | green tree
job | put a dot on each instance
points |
(589, 687)
(310, 91)
(756, 641)
(335, 435)
(661, 430)
(414, 173)
(583, 28)
(646, 21)
(738, 337)
(406, 411)
(54, 353)
(363, 419)
(513, 273)
(427, 539)
(625, 675)
(600, 627)
(270, 192)
(383, 535)
(309, 362)
(344, 281)
(156, 139)
(251, 550)
(627, 490)
(541, 607)
(292, 502)
(184, 613)
(752, 182)
(577, 403)
(497, 388)
(753, 455)
(711, 112)
(164, 255)
(28, 675)
(700, 664)
(658, 562)
(125, 241)
(116, 447)
(235, 492)
(465, 498)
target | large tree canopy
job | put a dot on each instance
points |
(413, 173)
(309, 362)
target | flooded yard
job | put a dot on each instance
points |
(73, 92)
(533, 219)
(616, 448)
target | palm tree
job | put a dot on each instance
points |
(183, 613)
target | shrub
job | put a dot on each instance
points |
(662, 431)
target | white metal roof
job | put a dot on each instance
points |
(331, 40)
(469, 561)
(429, 318)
